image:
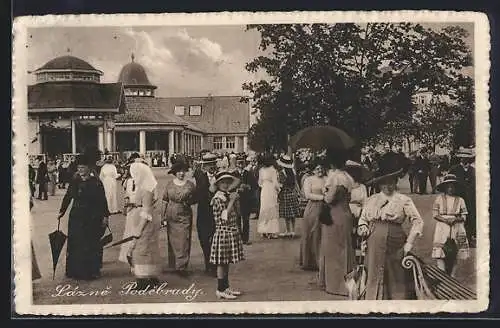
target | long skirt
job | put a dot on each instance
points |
(269, 210)
(35, 270)
(145, 254)
(110, 189)
(337, 254)
(311, 236)
(131, 223)
(386, 277)
(84, 249)
(179, 229)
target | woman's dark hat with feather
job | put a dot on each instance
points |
(390, 168)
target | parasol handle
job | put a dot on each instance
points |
(58, 224)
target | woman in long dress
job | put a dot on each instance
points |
(311, 229)
(178, 218)
(144, 252)
(381, 223)
(268, 224)
(337, 254)
(87, 219)
(108, 176)
(131, 208)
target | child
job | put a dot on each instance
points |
(227, 246)
(450, 212)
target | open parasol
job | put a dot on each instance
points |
(322, 137)
(57, 240)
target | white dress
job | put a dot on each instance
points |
(131, 221)
(269, 210)
(359, 195)
(108, 177)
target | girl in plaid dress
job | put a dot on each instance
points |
(227, 246)
(288, 198)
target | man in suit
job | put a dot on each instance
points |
(434, 162)
(422, 166)
(466, 174)
(205, 224)
(412, 173)
(245, 199)
(42, 179)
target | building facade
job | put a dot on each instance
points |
(69, 108)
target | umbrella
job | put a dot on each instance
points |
(356, 279)
(322, 137)
(57, 240)
(123, 241)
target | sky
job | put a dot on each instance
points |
(181, 61)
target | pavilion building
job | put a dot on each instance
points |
(69, 108)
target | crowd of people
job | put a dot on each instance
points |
(342, 213)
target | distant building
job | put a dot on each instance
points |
(69, 108)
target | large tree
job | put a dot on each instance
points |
(356, 77)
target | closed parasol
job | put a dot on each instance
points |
(122, 241)
(57, 240)
(322, 137)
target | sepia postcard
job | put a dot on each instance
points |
(260, 163)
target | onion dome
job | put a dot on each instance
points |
(135, 80)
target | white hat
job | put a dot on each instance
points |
(285, 161)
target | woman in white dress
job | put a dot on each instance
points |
(268, 224)
(108, 176)
(130, 210)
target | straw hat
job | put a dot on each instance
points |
(448, 179)
(223, 175)
(285, 161)
(465, 153)
(208, 158)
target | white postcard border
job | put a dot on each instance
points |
(21, 215)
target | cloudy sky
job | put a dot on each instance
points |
(181, 61)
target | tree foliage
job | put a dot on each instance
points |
(357, 77)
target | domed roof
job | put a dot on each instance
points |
(67, 63)
(134, 74)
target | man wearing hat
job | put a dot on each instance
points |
(466, 175)
(204, 218)
(422, 166)
(245, 199)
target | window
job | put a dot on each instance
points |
(230, 142)
(179, 110)
(217, 143)
(195, 110)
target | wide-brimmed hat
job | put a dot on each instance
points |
(390, 167)
(83, 160)
(285, 161)
(465, 153)
(448, 179)
(208, 158)
(177, 167)
(223, 175)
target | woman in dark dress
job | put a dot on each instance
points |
(87, 220)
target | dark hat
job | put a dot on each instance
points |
(133, 157)
(390, 167)
(177, 167)
(448, 179)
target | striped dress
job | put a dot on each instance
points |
(227, 246)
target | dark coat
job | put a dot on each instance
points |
(41, 174)
(422, 165)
